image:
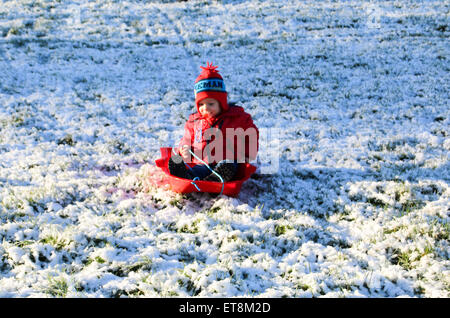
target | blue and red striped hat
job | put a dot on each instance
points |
(210, 84)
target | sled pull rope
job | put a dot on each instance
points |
(195, 185)
(220, 177)
(193, 180)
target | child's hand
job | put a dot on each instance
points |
(184, 152)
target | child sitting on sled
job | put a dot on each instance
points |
(217, 137)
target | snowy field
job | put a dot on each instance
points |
(355, 93)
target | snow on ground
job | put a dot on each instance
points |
(357, 93)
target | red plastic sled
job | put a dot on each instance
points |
(230, 188)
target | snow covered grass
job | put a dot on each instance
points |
(89, 91)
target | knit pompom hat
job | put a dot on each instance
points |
(209, 84)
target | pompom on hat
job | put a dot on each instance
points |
(210, 84)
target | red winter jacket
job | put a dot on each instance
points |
(231, 135)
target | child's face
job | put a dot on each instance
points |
(209, 107)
